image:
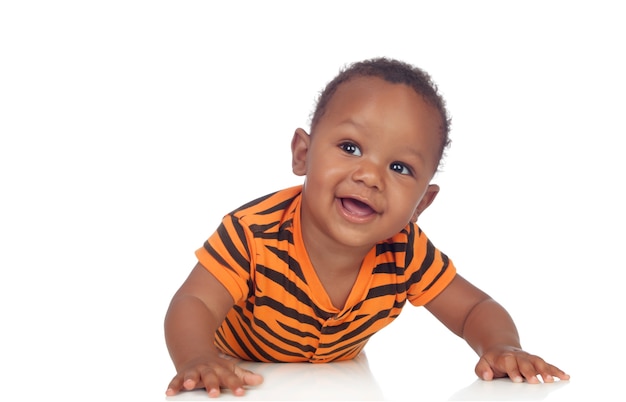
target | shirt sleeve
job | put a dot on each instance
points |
(226, 255)
(429, 270)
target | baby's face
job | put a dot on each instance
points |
(369, 161)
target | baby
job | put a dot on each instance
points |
(310, 273)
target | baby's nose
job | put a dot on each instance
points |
(369, 173)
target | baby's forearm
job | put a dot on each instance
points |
(489, 325)
(189, 330)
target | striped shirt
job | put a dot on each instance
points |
(282, 312)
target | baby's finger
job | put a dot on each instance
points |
(483, 370)
(228, 378)
(191, 378)
(211, 382)
(174, 386)
(507, 364)
(248, 377)
(560, 374)
(529, 368)
(549, 372)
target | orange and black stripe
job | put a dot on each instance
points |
(281, 311)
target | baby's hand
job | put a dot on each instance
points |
(212, 374)
(517, 365)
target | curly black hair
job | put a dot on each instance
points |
(393, 71)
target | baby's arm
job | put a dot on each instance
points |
(195, 312)
(490, 331)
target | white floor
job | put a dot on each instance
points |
(128, 128)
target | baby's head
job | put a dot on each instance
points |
(393, 71)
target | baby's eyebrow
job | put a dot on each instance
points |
(351, 122)
(409, 150)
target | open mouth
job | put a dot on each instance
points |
(356, 207)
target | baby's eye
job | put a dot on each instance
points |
(400, 168)
(350, 148)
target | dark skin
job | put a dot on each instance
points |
(196, 311)
(375, 119)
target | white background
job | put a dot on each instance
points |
(128, 128)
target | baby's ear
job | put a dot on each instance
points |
(299, 148)
(427, 199)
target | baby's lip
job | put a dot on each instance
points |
(357, 206)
